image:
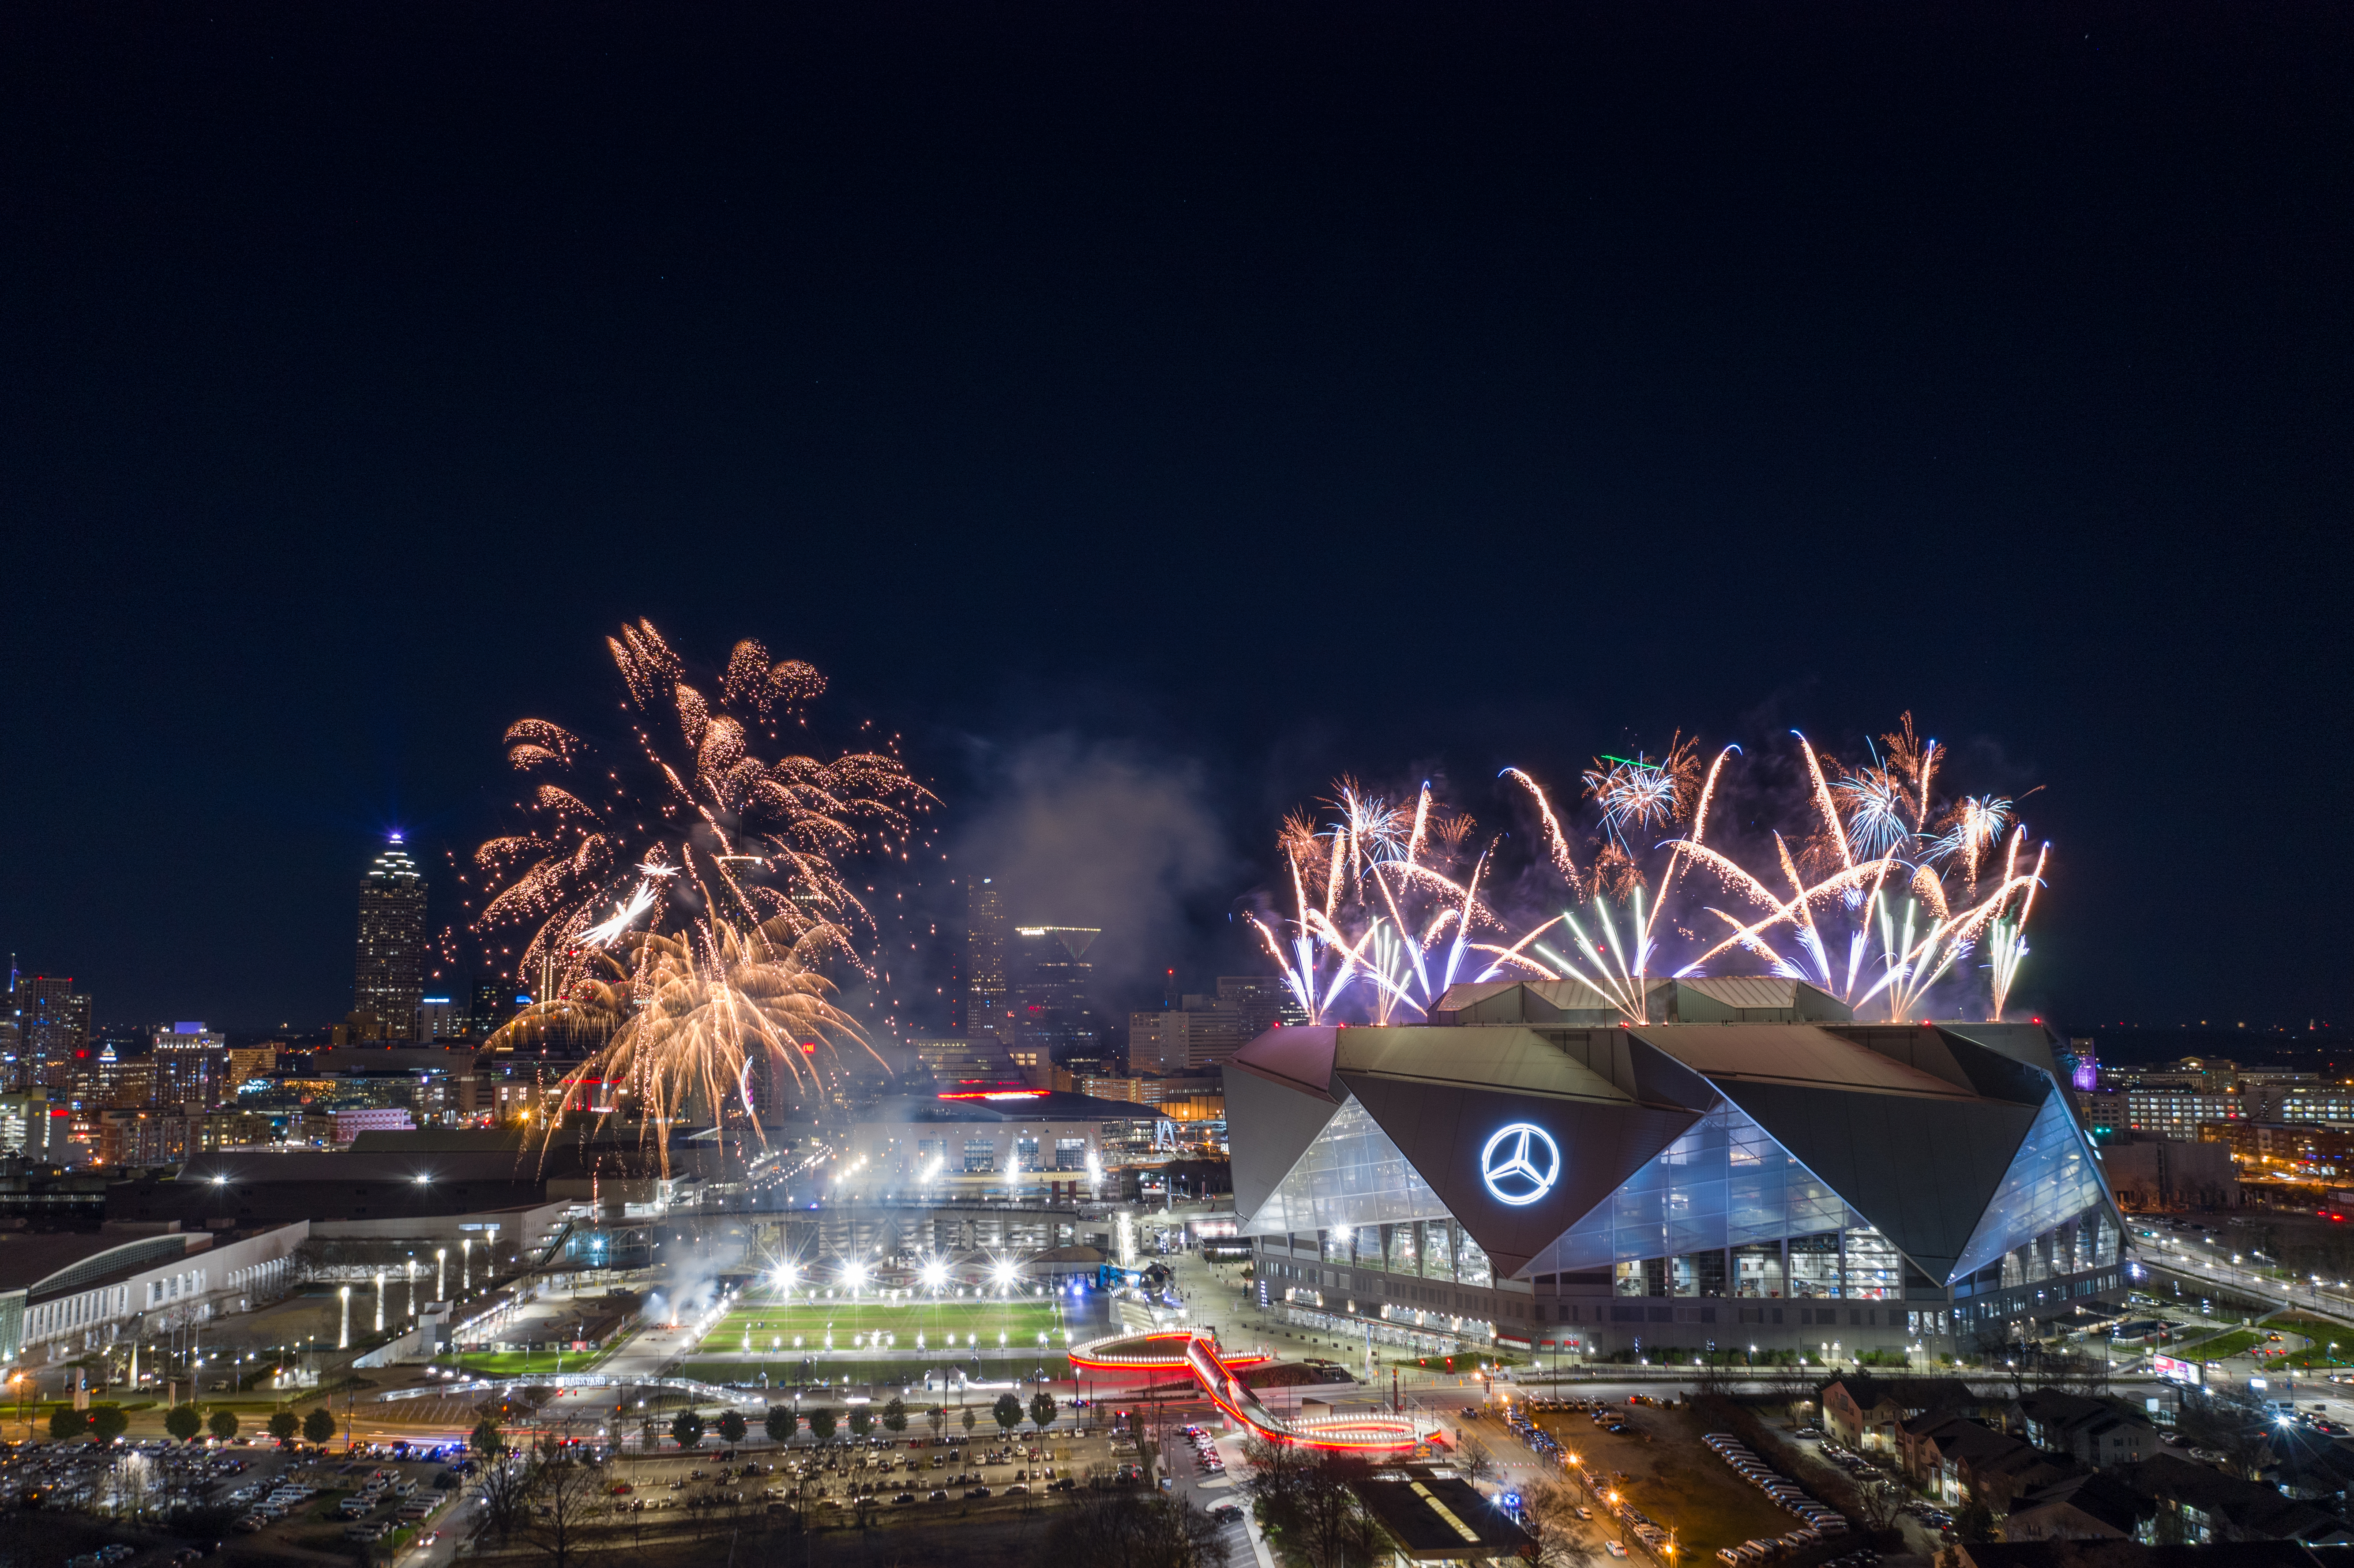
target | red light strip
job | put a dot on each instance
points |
(1381, 1433)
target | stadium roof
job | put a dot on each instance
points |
(1917, 1127)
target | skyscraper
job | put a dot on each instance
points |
(1049, 991)
(53, 1021)
(389, 981)
(985, 1002)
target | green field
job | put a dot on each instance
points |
(767, 1331)
(857, 1371)
(514, 1363)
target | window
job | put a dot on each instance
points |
(979, 1154)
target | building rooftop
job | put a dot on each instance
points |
(1432, 1518)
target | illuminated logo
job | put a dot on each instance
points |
(1520, 1165)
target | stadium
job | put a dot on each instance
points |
(1749, 1168)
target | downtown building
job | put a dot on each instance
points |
(1748, 1165)
(389, 969)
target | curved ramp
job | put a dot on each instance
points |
(1197, 1354)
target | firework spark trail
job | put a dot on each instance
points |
(1556, 843)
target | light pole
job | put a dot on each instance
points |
(344, 1344)
(379, 1301)
(441, 1274)
(466, 1263)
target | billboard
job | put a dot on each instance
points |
(2173, 1369)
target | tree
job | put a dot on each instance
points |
(68, 1424)
(183, 1422)
(562, 1493)
(894, 1416)
(686, 1428)
(731, 1427)
(1137, 1530)
(862, 1422)
(970, 1420)
(1472, 1458)
(781, 1423)
(938, 1418)
(285, 1425)
(223, 1424)
(506, 1485)
(1008, 1411)
(1041, 1410)
(1881, 1505)
(1307, 1498)
(486, 1440)
(1975, 1522)
(107, 1422)
(319, 1426)
(821, 1424)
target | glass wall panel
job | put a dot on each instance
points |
(2052, 1178)
(1438, 1249)
(1626, 1278)
(1336, 1245)
(1757, 1270)
(2104, 1244)
(1697, 1274)
(1874, 1269)
(1470, 1262)
(1351, 1175)
(1725, 1182)
(1404, 1257)
(1814, 1265)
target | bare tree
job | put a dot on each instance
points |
(564, 1492)
(1137, 1530)
(1471, 1457)
(1881, 1504)
(506, 1491)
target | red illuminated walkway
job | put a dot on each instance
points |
(1198, 1354)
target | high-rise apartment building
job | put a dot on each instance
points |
(985, 1000)
(1047, 991)
(191, 1066)
(55, 1024)
(388, 981)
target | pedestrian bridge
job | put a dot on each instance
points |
(1196, 1354)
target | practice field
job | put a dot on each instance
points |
(771, 1327)
(518, 1363)
(859, 1370)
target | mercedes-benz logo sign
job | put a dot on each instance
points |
(1520, 1165)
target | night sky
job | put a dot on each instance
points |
(1148, 412)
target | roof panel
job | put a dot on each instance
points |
(1791, 1053)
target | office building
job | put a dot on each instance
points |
(1047, 989)
(1203, 1031)
(984, 1003)
(389, 979)
(192, 1066)
(54, 1031)
(496, 1000)
(1536, 1169)
(442, 1018)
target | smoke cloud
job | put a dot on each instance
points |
(1110, 835)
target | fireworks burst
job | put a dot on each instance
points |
(680, 894)
(1855, 902)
